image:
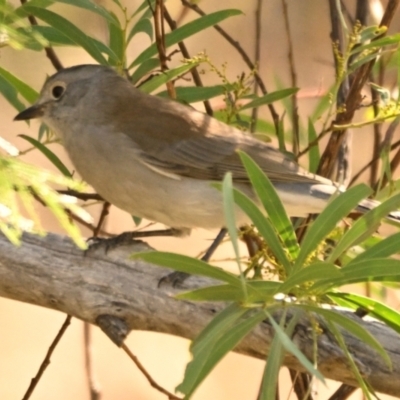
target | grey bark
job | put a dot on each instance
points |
(120, 295)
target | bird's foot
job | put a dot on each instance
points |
(128, 238)
(174, 279)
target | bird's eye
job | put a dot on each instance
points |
(57, 91)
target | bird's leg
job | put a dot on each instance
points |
(177, 278)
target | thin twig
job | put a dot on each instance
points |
(80, 195)
(246, 58)
(293, 83)
(158, 16)
(342, 158)
(385, 145)
(194, 72)
(343, 393)
(46, 360)
(257, 55)
(352, 101)
(152, 382)
(301, 382)
(50, 53)
(94, 388)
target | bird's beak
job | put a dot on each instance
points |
(34, 111)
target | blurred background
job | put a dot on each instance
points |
(26, 331)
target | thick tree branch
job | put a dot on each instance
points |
(121, 295)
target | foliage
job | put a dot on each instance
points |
(297, 273)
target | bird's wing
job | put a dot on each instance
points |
(210, 157)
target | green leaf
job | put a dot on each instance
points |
(57, 38)
(269, 98)
(271, 371)
(144, 69)
(25, 90)
(364, 226)
(312, 273)
(10, 94)
(117, 42)
(198, 368)
(339, 338)
(48, 154)
(337, 209)
(230, 222)
(351, 326)
(375, 308)
(194, 94)
(263, 226)
(378, 43)
(371, 270)
(292, 347)
(205, 358)
(146, 4)
(187, 264)
(313, 154)
(186, 31)
(272, 204)
(143, 25)
(94, 7)
(164, 77)
(382, 249)
(68, 29)
(258, 291)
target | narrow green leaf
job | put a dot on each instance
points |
(272, 204)
(194, 94)
(68, 29)
(48, 154)
(351, 326)
(313, 154)
(57, 38)
(312, 273)
(186, 31)
(263, 226)
(206, 340)
(226, 343)
(271, 371)
(371, 270)
(378, 43)
(382, 249)
(10, 94)
(337, 209)
(362, 60)
(339, 337)
(146, 4)
(94, 7)
(375, 308)
(143, 25)
(230, 222)
(144, 68)
(364, 226)
(217, 327)
(187, 264)
(165, 77)
(292, 348)
(258, 291)
(269, 98)
(25, 90)
(117, 42)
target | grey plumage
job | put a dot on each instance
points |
(155, 158)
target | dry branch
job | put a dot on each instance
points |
(121, 295)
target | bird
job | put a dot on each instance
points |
(156, 158)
